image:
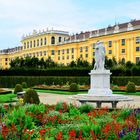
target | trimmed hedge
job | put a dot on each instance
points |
(11, 81)
(58, 71)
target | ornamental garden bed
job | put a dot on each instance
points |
(63, 121)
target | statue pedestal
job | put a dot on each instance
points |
(100, 83)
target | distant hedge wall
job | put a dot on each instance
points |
(79, 71)
(11, 81)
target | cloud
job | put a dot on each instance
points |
(22, 16)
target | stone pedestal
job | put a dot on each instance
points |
(100, 83)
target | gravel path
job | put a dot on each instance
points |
(49, 98)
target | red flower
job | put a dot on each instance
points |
(59, 136)
(72, 133)
(42, 132)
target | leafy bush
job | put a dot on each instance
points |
(85, 108)
(31, 97)
(73, 87)
(130, 87)
(18, 88)
(116, 87)
(61, 106)
(24, 85)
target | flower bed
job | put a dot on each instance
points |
(64, 121)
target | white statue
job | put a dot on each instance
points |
(99, 56)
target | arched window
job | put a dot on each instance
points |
(38, 42)
(41, 42)
(34, 43)
(60, 39)
(45, 41)
(30, 44)
(53, 40)
(24, 45)
(27, 44)
(123, 60)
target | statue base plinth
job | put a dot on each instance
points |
(100, 82)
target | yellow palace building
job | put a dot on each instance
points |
(122, 41)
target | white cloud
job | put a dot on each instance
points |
(22, 16)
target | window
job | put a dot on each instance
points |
(27, 44)
(123, 50)
(45, 41)
(34, 43)
(52, 52)
(63, 57)
(72, 50)
(93, 53)
(110, 44)
(94, 45)
(67, 50)
(81, 49)
(24, 45)
(86, 55)
(38, 42)
(45, 53)
(37, 54)
(53, 40)
(60, 39)
(72, 56)
(123, 60)
(30, 44)
(41, 42)
(63, 51)
(123, 41)
(137, 49)
(138, 40)
(110, 52)
(137, 60)
(86, 48)
(81, 55)
(58, 52)
(40, 53)
(58, 57)
(6, 59)
(67, 57)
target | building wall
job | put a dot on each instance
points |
(62, 52)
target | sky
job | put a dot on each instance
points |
(18, 17)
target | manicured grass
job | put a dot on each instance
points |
(7, 98)
(61, 92)
(125, 93)
(82, 92)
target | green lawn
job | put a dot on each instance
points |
(7, 98)
(81, 92)
(125, 93)
(61, 92)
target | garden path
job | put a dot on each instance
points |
(49, 98)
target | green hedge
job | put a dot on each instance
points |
(11, 81)
(123, 80)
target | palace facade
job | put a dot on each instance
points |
(122, 41)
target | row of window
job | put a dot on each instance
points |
(123, 42)
(40, 42)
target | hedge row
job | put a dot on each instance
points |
(134, 71)
(11, 81)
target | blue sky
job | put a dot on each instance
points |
(18, 17)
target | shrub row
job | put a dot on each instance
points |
(58, 71)
(11, 81)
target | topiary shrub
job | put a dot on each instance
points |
(31, 97)
(18, 88)
(130, 87)
(24, 85)
(73, 87)
(85, 108)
